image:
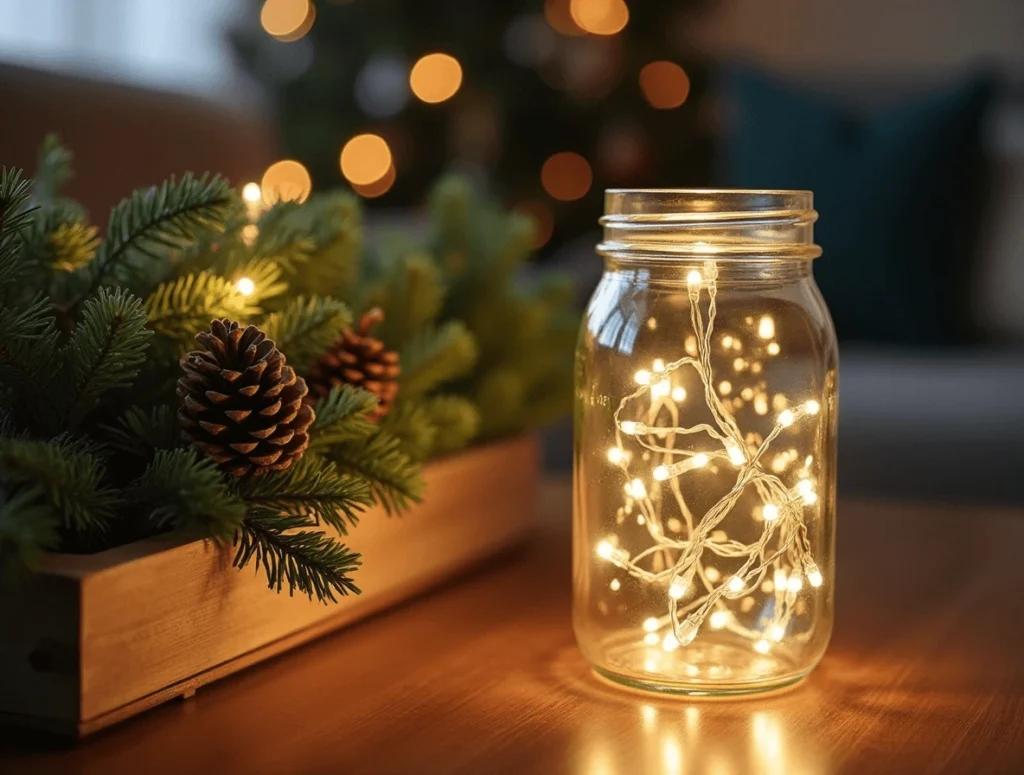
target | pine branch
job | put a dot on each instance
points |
(342, 416)
(265, 276)
(308, 561)
(29, 360)
(178, 310)
(53, 169)
(305, 328)
(312, 488)
(181, 490)
(15, 217)
(456, 420)
(171, 216)
(28, 527)
(410, 423)
(436, 356)
(394, 479)
(105, 352)
(412, 294)
(69, 480)
(142, 433)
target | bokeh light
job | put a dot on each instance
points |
(600, 17)
(251, 192)
(287, 20)
(382, 85)
(542, 219)
(558, 15)
(665, 84)
(365, 159)
(378, 187)
(435, 77)
(566, 176)
(286, 180)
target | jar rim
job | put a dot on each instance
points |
(723, 222)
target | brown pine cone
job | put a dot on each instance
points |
(358, 359)
(241, 403)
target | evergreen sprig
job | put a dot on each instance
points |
(307, 327)
(105, 351)
(394, 479)
(68, 479)
(179, 489)
(178, 309)
(342, 415)
(436, 356)
(166, 217)
(312, 488)
(306, 560)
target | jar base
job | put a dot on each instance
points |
(726, 666)
(705, 691)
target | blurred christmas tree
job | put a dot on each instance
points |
(550, 102)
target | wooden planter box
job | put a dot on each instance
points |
(93, 639)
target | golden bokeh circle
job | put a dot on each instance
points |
(566, 176)
(365, 159)
(286, 180)
(435, 77)
(665, 84)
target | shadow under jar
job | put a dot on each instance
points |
(705, 445)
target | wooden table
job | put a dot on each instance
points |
(924, 675)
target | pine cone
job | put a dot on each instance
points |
(241, 404)
(358, 359)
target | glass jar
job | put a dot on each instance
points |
(705, 445)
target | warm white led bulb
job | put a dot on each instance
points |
(693, 280)
(734, 588)
(687, 632)
(699, 460)
(659, 365)
(795, 583)
(773, 348)
(813, 573)
(629, 427)
(251, 192)
(616, 455)
(736, 456)
(245, 286)
(770, 512)
(812, 407)
(786, 418)
(719, 619)
(652, 639)
(670, 643)
(678, 587)
(637, 489)
(678, 394)
(762, 646)
(777, 632)
(661, 473)
(642, 377)
(766, 327)
(661, 388)
(725, 387)
(616, 585)
(605, 550)
(650, 624)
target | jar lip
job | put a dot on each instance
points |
(723, 223)
(707, 204)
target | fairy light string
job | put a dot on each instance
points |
(779, 562)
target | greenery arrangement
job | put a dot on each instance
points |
(188, 372)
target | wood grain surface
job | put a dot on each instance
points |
(924, 675)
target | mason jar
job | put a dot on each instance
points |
(705, 445)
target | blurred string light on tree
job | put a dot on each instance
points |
(365, 159)
(286, 180)
(558, 15)
(378, 187)
(600, 17)
(665, 84)
(532, 83)
(542, 219)
(287, 20)
(435, 77)
(566, 176)
(382, 86)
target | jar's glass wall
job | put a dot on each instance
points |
(705, 472)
